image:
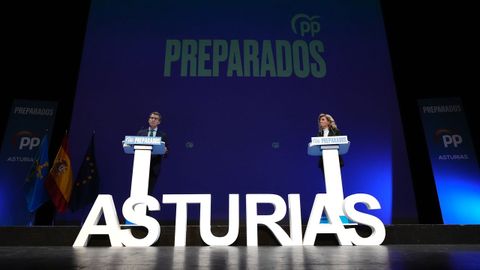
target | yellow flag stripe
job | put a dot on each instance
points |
(64, 178)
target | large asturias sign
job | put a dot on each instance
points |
(322, 204)
(332, 205)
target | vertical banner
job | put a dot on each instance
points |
(28, 122)
(452, 155)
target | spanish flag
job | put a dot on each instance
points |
(59, 180)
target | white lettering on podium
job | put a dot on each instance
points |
(329, 140)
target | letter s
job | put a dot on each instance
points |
(141, 219)
(378, 229)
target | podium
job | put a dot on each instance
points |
(330, 148)
(142, 148)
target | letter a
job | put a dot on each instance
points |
(103, 203)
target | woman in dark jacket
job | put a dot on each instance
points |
(327, 127)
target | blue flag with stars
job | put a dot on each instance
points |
(34, 187)
(85, 188)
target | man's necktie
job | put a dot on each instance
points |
(150, 133)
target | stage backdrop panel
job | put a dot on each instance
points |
(240, 85)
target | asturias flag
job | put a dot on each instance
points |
(85, 189)
(35, 191)
(59, 180)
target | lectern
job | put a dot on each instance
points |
(142, 147)
(330, 148)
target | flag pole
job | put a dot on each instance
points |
(83, 209)
(82, 220)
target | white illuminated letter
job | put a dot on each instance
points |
(233, 221)
(103, 203)
(295, 218)
(253, 219)
(181, 200)
(141, 219)
(378, 229)
(314, 227)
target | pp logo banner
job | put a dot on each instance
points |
(448, 138)
(25, 140)
(303, 24)
(28, 122)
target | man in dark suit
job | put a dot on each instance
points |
(327, 127)
(156, 161)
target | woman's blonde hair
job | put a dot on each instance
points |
(329, 118)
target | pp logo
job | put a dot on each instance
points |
(452, 139)
(305, 24)
(448, 137)
(26, 140)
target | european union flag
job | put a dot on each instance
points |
(85, 188)
(34, 187)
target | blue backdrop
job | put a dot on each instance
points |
(247, 105)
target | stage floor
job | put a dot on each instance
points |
(264, 257)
